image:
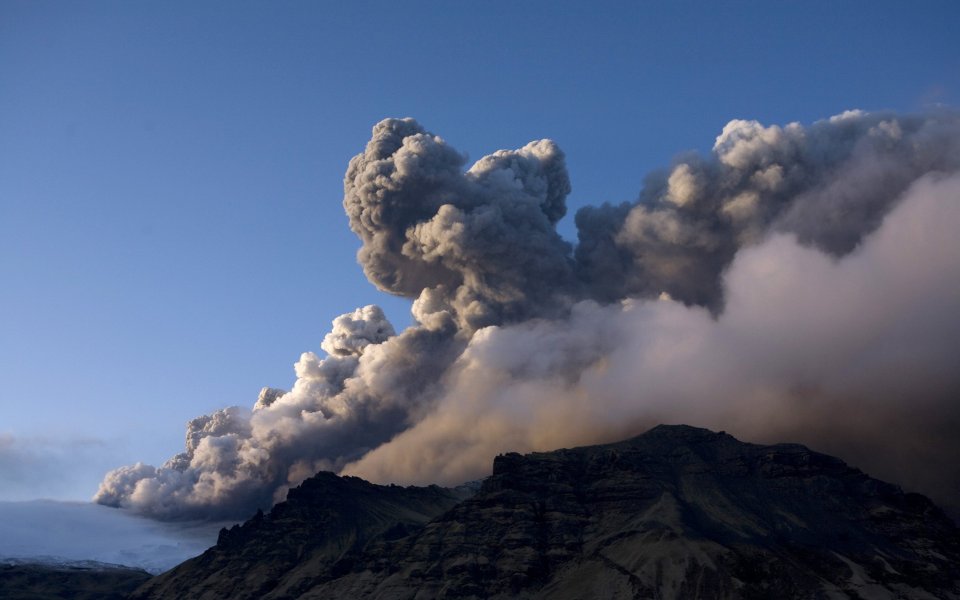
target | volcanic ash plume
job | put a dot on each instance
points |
(799, 283)
(365, 391)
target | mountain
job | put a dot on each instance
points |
(677, 512)
(47, 579)
(316, 534)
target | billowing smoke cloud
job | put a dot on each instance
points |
(830, 184)
(857, 357)
(478, 247)
(366, 390)
(797, 284)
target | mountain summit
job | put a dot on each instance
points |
(678, 512)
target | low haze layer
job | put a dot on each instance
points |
(80, 531)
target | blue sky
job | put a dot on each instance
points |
(171, 229)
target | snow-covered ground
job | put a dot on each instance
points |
(52, 531)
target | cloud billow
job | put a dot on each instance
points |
(830, 184)
(479, 247)
(793, 274)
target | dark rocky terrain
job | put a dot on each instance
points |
(317, 534)
(677, 512)
(69, 581)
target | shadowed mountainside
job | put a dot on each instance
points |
(318, 533)
(77, 580)
(677, 512)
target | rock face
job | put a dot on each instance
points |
(677, 512)
(317, 534)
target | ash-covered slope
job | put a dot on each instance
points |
(677, 512)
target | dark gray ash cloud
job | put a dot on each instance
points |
(479, 246)
(830, 184)
(796, 284)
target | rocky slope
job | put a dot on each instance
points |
(678, 512)
(316, 534)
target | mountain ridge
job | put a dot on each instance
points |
(676, 512)
(49, 578)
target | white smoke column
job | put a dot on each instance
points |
(856, 357)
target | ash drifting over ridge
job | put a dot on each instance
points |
(793, 275)
(675, 513)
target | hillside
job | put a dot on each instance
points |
(677, 512)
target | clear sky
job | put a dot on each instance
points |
(171, 229)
